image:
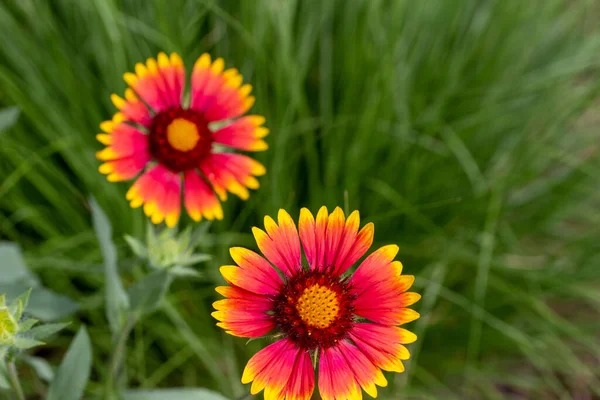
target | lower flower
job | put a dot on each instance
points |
(348, 324)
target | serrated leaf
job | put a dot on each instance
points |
(178, 394)
(182, 271)
(41, 366)
(27, 324)
(147, 294)
(26, 343)
(136, 246)
(8, 117)
(117, 302)
(72, 376)
(44, 331)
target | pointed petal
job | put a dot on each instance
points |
(160, 191)
(336, 378)
(159, 83)
(272, 368)
(280, 244)
(200, 201)
(217, 93)
(383, 345)
(245, 133)
(307, 228)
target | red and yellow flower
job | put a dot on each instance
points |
(173, 145)
(348, 322)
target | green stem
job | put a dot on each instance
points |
(13, 376)
(117, 357)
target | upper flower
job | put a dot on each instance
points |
(173, 143)
(347, 322)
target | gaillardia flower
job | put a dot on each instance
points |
(174, 144)
(349, 323)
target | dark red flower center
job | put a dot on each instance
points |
(314, 309)
(179, 139)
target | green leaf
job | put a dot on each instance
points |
(26, 325)
(12, 265)
(148, 293)
(19, 304)
(41, 366)
(117, 303)
(182, 271)
(44, 304)
(176, 394)
(26, 343)
(194, 259)
(8, 117)
(72, 376)
(44, 331)
(137, 246)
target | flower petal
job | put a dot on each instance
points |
(320, 237)
(254, 273)
(365, 372)
(232, 172)
(159, 83)
(245, 133)
(122, 140)
(241, 167)
(353, 246)
(307, 228)
(217, 94)
(243, 313)
(336, 378)
(200, 201)
(132, 108)
(280, 244)
(380, 288)
(302, 380)
(273, 369)
(383, 345)
(160, 191)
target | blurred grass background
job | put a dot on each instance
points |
(467, 131)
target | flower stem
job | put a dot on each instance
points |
(13, 376)
(117, 357)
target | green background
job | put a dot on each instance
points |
(467, 131)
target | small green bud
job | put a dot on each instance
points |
(8, 325)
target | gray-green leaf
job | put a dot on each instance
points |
(179, 394)
(137, 246)
(19, 304)
(72, 376)
(41, 366)
(147, 294)
(44, 304)
(181, 271)
(117, 303)
(26, 343)
(12, 265)
(43, 331)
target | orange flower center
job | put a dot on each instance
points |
(318, 306)
(314, 309)
(179, 139)
(182, 134)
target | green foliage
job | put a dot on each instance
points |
(74, 371)
(466, 131)
(8, 117)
